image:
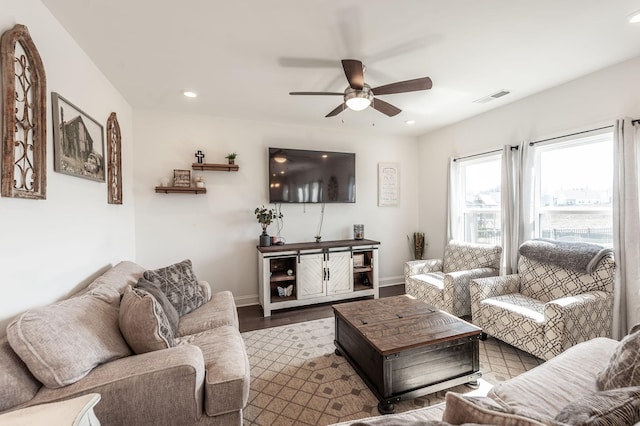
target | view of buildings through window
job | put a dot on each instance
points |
(480, 179)
(574, 190)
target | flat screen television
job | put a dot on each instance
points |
(304, 176)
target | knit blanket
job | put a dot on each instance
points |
(577, 256)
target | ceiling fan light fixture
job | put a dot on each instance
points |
(358, 100)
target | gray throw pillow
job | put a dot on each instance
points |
(143, 323)
(623, 369)
(161, 298)
(606, 408)
(180, 285)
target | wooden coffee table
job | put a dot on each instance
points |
(403, 348)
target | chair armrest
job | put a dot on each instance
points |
(127, 384)
(456, 296)
(206, 289)
(574, 319)
(484, 288)
(415, 267)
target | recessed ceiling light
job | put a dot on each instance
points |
(410, 122)
(634, 18)
(190, 94)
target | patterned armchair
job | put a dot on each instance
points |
(444, 283)
(546, 308)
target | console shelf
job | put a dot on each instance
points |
(215, 167)
(317, 273)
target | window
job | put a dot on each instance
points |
(574, 190)
(480, 181)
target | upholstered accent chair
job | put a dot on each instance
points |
(444, 283)
(550, 304)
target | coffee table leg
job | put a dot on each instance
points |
(337, 352)
(386, 407)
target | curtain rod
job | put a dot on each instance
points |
(484, 153)
(570, 134)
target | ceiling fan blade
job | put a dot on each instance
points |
(385, 107)
(354, 72)
(414, 85)
(337, 110)
(316, 93)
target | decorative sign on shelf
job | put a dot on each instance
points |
(182, 178)
(200, 156)
(388, 184)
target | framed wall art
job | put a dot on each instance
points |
(114, 160)
(24, 117)
(182, 178)
(388, 184)
(78, 141)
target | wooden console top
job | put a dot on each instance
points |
(316, 246)
(395, 324)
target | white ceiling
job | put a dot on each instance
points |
(243, 57)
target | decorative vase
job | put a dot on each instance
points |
(265, 240)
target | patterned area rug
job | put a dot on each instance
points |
(296, 378)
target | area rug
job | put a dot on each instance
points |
(296, 378)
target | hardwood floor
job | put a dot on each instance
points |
(250, 317)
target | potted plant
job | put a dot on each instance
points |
(265, 216)
(231, 157)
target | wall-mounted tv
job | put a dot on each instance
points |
(303, 176)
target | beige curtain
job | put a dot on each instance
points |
(626, 226)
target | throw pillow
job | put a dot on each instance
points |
(180, 285)
(460, 409)
(606, 408)
(623, 369)
(161, 298)
(143, 323)
(62, 342)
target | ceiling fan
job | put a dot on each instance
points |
(359, 95)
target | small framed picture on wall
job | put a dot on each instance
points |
(182, 178)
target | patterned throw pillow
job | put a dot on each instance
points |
(143, 322)
(612, 407)
(161, 298)
(180, 285)
(623, 369)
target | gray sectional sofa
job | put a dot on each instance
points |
(195, 374)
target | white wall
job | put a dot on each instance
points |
(218, 230)
(592, 101)
(50, 247)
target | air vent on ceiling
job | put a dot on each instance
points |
(492, 97)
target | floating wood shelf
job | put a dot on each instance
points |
(180, 190)
(215, 167)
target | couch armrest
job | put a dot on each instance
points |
(484, 288)
(456, 298)
(414, 267)
(174, 376)
(206, 290)
(574, 319)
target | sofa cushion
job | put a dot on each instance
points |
(218, 311)
(168, 309)
(575, 368)
(461, 409)
(623, 369)
(180, 285)
(227, 368)
(143, 322)
(62, 342)
(612, 407)
(123, 274)
(17, 384)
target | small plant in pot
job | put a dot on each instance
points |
(265, 216)
(231, 158)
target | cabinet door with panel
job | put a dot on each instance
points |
(338, 273)
(310, 271)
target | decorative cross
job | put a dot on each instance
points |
(199, 156)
